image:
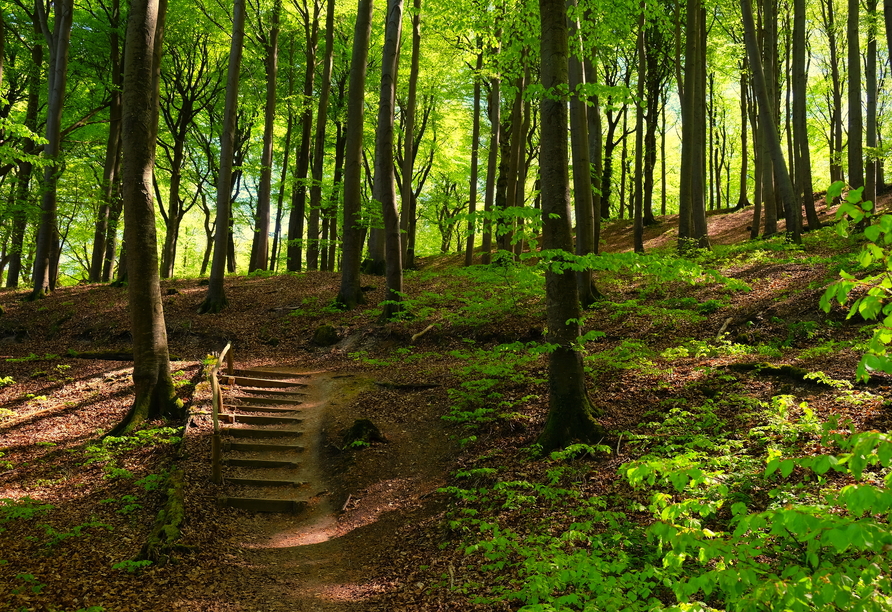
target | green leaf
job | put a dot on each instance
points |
(835, 190)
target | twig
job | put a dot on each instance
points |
(346, 503)
(421, 333)
(722, 329)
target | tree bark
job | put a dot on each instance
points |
(319, 143)
(46, 255)
(571, 414)
(112, 149)
(350, 294)
(260, 245)
(155, 395)
(856, 149)
(638, 231)
(495, 118)
(870, 84)
(805, 188)
(215, 300)
(785, 185)
(475, 158)
(384, 186)
(582, 174)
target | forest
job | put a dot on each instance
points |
(555, 306)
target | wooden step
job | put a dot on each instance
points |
(259, 419)
(261, 447)
(275, 392)
(259, 504)
(272, 401)
(245, 381)
(254, 372)
(263, 482)
(262, 463)
(253, 432)
(261, 408)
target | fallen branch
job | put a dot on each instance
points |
(422, 332)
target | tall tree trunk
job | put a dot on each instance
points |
(283, 177)
(870, 83)
(571, 414)
(595, 146)
(350, 294)
(26, 168)
(856, 149)
(260, 245)
(804, 186)
(319, 143)
(495, 118)
(384, 186)
(742, 199)
(408, 168)
(46, 256)
(112, 149)
(836, 131)
(332, 211)
(299, 194)
(153, 385)
(785, 185)
(638, 231)
(582, 174)
(475, 157)
(215, 300)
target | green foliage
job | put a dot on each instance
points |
(132, 567)
(875, 288)
(32, 357)
(112, 447)
(56, 536)
(5, 381)
(479, 398)
(21, 509)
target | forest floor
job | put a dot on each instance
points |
(75, 513)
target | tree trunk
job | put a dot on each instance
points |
(495, 118)
(785, 185)
(46, 255)
(856, 151)
(215, 300)
(112, 149)
(260, 246)
(384, 186)
(154, 390)
(350, 294)
(805, 188)
(408, 168)
(638, 232)
(870, 83)
(571, 414)
(582, 174)
(299, 194)
(475, 157)
(319, 143)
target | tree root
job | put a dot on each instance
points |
(162, 541)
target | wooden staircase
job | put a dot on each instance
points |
(256, 451)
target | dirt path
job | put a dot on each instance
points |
(326, 557)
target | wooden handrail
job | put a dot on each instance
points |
(217, 406)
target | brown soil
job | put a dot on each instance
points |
(372, 540)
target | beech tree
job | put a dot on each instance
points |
(571, 415)
(215, 300)
(155, 395)
(350, 294)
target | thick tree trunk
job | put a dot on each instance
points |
(319, 143)
(384, 186)
(260, 245)
(46, 255)
(155, 393)
(570, 415)
(870, 83)
(215, 300)
(350, 294)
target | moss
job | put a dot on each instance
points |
(163, 540)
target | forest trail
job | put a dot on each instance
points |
(322, 556)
